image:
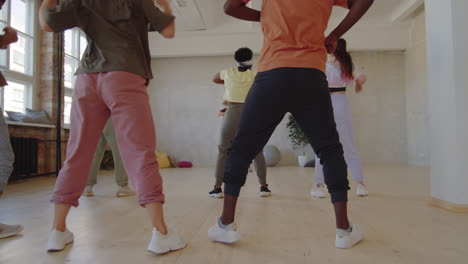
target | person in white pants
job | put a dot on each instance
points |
(342, 73)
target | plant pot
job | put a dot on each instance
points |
(302, 160)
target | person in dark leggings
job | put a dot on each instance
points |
(291, 79)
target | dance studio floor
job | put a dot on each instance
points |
(289, 227)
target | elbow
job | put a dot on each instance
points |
(228, 9)
(46, 28)
(169, 35)
(169, 31)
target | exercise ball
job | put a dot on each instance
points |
(272, 155)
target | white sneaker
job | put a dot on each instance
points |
(362, 190)
(318, 191)
(9, 230)
(88, 191)
(124, 191)
(350, 239)
(161, 244)
(58, 240)
(218, 234)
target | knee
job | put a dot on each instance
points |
(331, 152)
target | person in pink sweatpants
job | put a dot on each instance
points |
(111, 83)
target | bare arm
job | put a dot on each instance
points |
(169, 31)
(46, 4)
(238, 9)
(217, 79)
(360, 81)
(9, 37)
(357, 8)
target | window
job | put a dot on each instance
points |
(17, 61)
(75, 45)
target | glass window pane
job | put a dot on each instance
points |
(15, 97)
(4, 12)
(18, 14)
(21, 55)
(70, 68)
(3, 52)
(67, 109)
(69, 42)
(83, 44)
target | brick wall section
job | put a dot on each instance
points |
(46, 92)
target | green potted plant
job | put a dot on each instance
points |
(298, 139)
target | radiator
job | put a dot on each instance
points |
(26, 152)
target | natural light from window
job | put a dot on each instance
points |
(17, 61)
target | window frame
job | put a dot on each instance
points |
(30, 77)
(76, 53)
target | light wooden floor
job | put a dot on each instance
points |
(289, 227)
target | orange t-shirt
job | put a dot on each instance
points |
(294, 33)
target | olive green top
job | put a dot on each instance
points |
(116, 30)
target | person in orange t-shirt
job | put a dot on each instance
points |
(291, 79)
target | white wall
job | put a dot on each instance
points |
(447, 63)
(417, 93)
(223, 39)
(185, 104)
(379, 111)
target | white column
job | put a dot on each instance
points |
(447, 53)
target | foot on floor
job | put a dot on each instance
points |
(9, 230)
(161, 244)
(58, 240)
(348, 238)
(216, 193)
(362, 190)
(264, 191)
(223, 233)
(318, 191)
(124, 191)
(88, 191)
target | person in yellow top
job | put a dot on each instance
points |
(237, 82)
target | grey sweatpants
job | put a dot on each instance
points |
(6, 153)
(228, 132)
(108, 136)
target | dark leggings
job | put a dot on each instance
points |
(304, 93)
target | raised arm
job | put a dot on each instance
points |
(169, 30)
(46, 4)
(9, 37)
(357, 8)
(217, 79)
(160, 21)
(238, 9)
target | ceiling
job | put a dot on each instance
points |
(196, 15)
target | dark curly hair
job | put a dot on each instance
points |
(243, 54)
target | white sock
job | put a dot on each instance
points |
(228, 227)
(344, 232)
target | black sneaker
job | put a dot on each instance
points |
(216, 193)
(264, 191)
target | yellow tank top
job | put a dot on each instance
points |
(237, 84)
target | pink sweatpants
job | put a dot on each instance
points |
(123, 97)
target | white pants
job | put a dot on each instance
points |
(344, 125)
(6, 153)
